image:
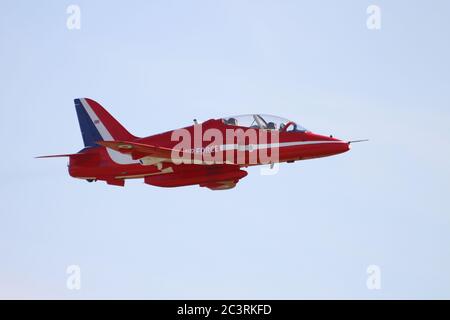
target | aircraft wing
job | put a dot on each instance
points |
(215, 178)
(154, 154)
(138, 150)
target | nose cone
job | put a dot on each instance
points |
(331, 146)
(346, 146)
(339, 146)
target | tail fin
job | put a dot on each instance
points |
(97, 124)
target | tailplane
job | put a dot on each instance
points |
(69, 155)
(61, 155)
(97, 124)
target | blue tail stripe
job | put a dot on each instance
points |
(89, 132)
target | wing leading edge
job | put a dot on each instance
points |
(137, 150)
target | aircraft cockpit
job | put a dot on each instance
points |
(264, 121)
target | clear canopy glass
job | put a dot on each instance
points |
(263, 121)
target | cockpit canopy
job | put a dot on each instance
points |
(263, 121)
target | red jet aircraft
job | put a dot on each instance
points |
(211, 154)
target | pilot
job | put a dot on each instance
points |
(231, 121)
(270, 126)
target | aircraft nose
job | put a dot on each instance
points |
(345, 145)
(340, 146)
(332, 145)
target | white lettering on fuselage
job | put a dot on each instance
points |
(209, 149)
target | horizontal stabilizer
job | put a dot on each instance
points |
(75, 155)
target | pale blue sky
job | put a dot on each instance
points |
(308, 232)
